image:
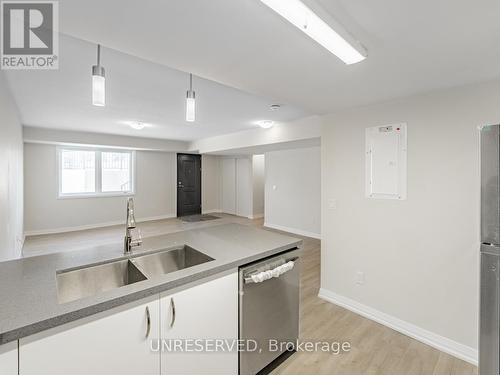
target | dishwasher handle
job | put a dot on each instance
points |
(258, 277)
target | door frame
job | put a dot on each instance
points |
(177, 180)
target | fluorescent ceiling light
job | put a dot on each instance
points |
(299, 15)
(266, 124)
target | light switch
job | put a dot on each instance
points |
(360, 278)
(275, 187)
(332, 204)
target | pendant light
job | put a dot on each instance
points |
(190, 102)
(98, 82)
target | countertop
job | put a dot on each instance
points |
(28, 290)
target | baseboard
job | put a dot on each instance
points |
(93, 226)
(256, 216)
(300, 232)
(154, 218)
(21, 245)
(439, 342)
(216, 211)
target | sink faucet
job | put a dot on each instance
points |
(129, 241)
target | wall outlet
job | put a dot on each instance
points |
(360, 278)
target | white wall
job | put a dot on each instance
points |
(228, 185)
(420, 256)
(302, 131)
(259, 180)
(11, 175)
(295, 203)
(244, 187)
(210, 183)
(44, 212)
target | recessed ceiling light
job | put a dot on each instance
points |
(266, 124)
(137, 125)
(274, 107)
(299, 15)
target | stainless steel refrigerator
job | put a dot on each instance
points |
(489, 330)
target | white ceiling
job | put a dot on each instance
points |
(136, 90)
(413, 46)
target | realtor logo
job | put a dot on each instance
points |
(29, 35)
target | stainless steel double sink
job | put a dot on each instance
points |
(74, 284)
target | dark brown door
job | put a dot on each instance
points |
(188, 184)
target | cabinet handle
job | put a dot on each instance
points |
(172, 307)
(148, 319)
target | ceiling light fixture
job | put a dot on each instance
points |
(190, 102)
(266, 124)
(137, 125)
(98, 82)
(299, 15)
(274, 107)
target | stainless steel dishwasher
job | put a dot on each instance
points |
(269, 310)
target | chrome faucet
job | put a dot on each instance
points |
(129, 241)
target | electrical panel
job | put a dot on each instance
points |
(386, 162)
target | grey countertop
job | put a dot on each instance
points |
(28, 290)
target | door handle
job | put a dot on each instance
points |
(148, 321)
(258, 277)
(172, 307)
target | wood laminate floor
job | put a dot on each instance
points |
(375, 349)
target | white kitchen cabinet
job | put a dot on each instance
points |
(113, 342)
(207, 311)
(8, 358)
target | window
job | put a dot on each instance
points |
(95, 172)
(115, 171)
(77, 172)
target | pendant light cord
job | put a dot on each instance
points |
(98, 55)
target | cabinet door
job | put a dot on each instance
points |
(8, 358)
(207, 312)
(114, 342)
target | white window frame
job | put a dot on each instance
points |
(98, 173)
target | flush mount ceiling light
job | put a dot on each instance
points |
(190, 102)
(98, 82)
(137, 125)
(266, 124)
(299, 15)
